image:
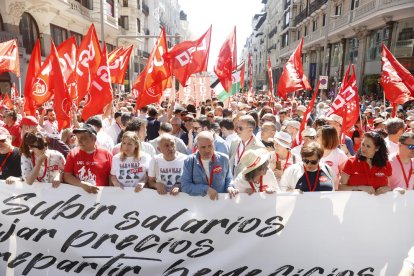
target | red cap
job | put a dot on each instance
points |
(29, 121)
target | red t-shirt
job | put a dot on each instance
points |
(93, 168)
(15, 131)
(360, 173)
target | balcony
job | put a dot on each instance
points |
(315, 5)
(76, 6)
(404, 48)
(145, 9)
(301, 16)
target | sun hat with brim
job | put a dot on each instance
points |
(301, 108)
(379, 120)
(252, 159)
(335, 118)
(294, 124)
(308, 132)
(85, 128)
(4, 133)
(284, 139)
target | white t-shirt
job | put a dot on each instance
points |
(335, 160)
(131, 171)
(51, 128)
(55, 164)
(391, 146)
(167, 172)
(397, 178)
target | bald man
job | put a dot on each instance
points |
(207, 172)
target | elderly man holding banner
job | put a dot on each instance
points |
(207, 172)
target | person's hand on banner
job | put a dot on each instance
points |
(382, 190)
(12, 180)
(139, 187)
(160, 188)
(212, 194)
(175, 190)
(249, 191)
(89, 189)
(232, 192)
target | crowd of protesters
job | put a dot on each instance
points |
(250, 145)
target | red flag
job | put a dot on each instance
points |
(189, 57)
(118, 64)
(9, 57)
(293, 78)
(154, 78)
(305, 118)
(62, 102)
(346, 103)
(112, 55)
(7, 102)
(100, 93)
(67, 57)
(227, 61)
(14, 93)
(251, 73)
(243, 68)
(32, 70)
(88, 59)
(397, 81)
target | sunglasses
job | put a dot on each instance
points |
(312, 162)
(36, 146)
(411, 147)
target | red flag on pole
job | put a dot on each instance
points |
(62, 102)
(346, 103)
(397, 81)
(9, 57)
(305, 118)
(118, 64)
(293, 78)
(189, 57)
(243, 68)
(32, 70)
(100, 93)
(154, 78)
(88, 59)
(227, 61)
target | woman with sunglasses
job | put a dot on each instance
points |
(328, 138)
(40, 164)
(369, 170)
(310, 175)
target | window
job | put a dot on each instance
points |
(86, 3)
(299, 35)
(324, 20)
(286, 19)
(375, 41)
(110, 47)
(138, 25)
(124, 3)
(110, 8)
(58, 34)
(306, 30)
(336, 54)
(138, 4)
(285, 40)
(315, 24)
(338, 9)
(28, 28)
(355, 4)
(1, 24)
(353, 50)
(77, 36)
(124, 22)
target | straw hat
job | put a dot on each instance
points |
(293, 123)
(284, 139)
(308, 132)
(335, 118)
(301, 108)
(252, 159)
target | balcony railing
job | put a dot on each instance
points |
(315, 5)
(302, 15)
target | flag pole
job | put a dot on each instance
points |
(20, 87)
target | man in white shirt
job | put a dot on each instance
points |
(116, 128)
(50, 126)
(395, 127)
(227, 130)
(166, 168)
(102, 139)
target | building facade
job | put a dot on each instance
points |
(125, 22)
(339, 32)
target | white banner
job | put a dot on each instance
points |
(64, 231)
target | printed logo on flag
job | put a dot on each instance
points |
(40, 88)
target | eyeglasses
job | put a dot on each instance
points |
(36, 146)
(409, 146)
(312, 162)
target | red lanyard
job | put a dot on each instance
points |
(210, 181)
(407, 179)
(4, 161)
(239, 156)
(312, 189)
(44, 172)
(287, 158)
(261, 188)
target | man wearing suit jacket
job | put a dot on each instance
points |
(246, 141)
